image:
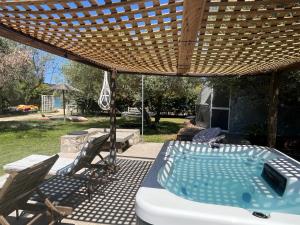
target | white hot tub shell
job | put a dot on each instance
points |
(158, 206)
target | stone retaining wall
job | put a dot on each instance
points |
(73, 143)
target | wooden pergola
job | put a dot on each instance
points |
(164, 37)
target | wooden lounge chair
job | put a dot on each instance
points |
(84, 159)
(98, 174)
(20, 186)
(207, 135)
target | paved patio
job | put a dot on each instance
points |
(116, 206)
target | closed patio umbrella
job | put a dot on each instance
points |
(64, 88)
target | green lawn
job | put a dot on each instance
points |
(20, 139)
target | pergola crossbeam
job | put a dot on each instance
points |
(192, 17)
(35, 43)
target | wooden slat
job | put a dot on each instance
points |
(3, 221)
(176, 37)
(20, 186)
(192, 18)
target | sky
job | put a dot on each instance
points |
(53, 72)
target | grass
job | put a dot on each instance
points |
(166, 130)
(22, 138)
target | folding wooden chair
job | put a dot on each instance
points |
(20, 186)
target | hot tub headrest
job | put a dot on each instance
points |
(282, 175)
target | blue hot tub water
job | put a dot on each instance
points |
(225, 179)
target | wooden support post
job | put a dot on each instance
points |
(192, 18)
(273, 109)
(64, 104)
(113, 150)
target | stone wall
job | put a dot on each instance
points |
(73, 143)
(248, 109)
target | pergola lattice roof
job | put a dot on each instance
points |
(172, 37)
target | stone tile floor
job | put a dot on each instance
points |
(116, 206)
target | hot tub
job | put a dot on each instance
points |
(192, 183)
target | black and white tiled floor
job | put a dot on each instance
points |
(115, 206)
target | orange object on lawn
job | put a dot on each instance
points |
(26, 108)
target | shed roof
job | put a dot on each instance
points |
(167, 37)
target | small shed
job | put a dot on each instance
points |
(242, 111)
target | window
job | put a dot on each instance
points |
(220, 108)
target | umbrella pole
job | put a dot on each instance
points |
(112, 112)
(64, 105)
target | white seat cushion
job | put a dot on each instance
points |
(34, 159)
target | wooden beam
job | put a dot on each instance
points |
(36, 43)
(192, 18)
(113, 120)
(273, 109)
(185, 47)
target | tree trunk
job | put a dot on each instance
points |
(28, 92)
(1, 101)
(158, 110)
(157, 116)
(64, 105)
(27, 98)
(147, 117)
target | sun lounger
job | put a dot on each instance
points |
(90, 150)
(209, 135)
(34, 159)
(20, 186)
(97, 175)
(64, 166)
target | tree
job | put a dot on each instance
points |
(22, 72)
(14, 61)
(34, 77)
(161, 93)
(170, 93)
(128, 91)
(88, 80)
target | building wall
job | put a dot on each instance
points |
(289, 120)
(247, 110)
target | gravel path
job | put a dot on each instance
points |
(31, 116)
